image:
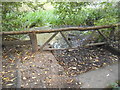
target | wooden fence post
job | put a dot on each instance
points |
(33, 40)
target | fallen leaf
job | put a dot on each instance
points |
(10, 84)
(33, 65)
(73, 67)
(96, 60)
(13, 79)
(35, 83)
(3, 66)
(70, 81)
(108, 75)
(6, 78)
(45, 72)
(24, 78)
(33, 77)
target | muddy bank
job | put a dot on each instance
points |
(81, 60)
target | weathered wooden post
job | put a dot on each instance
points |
(33, 40)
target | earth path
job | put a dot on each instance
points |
(100, 78)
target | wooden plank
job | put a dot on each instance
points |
(66, 39)
(16, 42)
(41, 48)
(88, 45)
(58, 30)
(10, 37)
(33, 40)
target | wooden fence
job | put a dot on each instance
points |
(33, 38)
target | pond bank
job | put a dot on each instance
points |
(81, 60)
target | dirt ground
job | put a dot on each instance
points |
(100, 78)
(39, 70)
(42, 70)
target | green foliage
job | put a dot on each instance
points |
(90, 14)
(8, 7)
(78, 13)
(109, 14)
(15, 20)
(10, 15)
(38, 18)
(68, 12)
(12, 22)
(35, 6)
(114, 86)
(64, 13)
(32, 19)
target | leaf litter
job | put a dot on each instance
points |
(81, 60)
(34, 68)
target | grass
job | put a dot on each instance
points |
(115, 85)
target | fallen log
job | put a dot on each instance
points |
(58, 30)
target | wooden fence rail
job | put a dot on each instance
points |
(61, 29)
(33, 38)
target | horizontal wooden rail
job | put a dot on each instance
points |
(85, 46)
(16, 42)
(58, 30)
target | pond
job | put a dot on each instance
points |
(75, 38)
(42, 38)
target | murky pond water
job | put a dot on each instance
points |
(75, 38)
(42, 38)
